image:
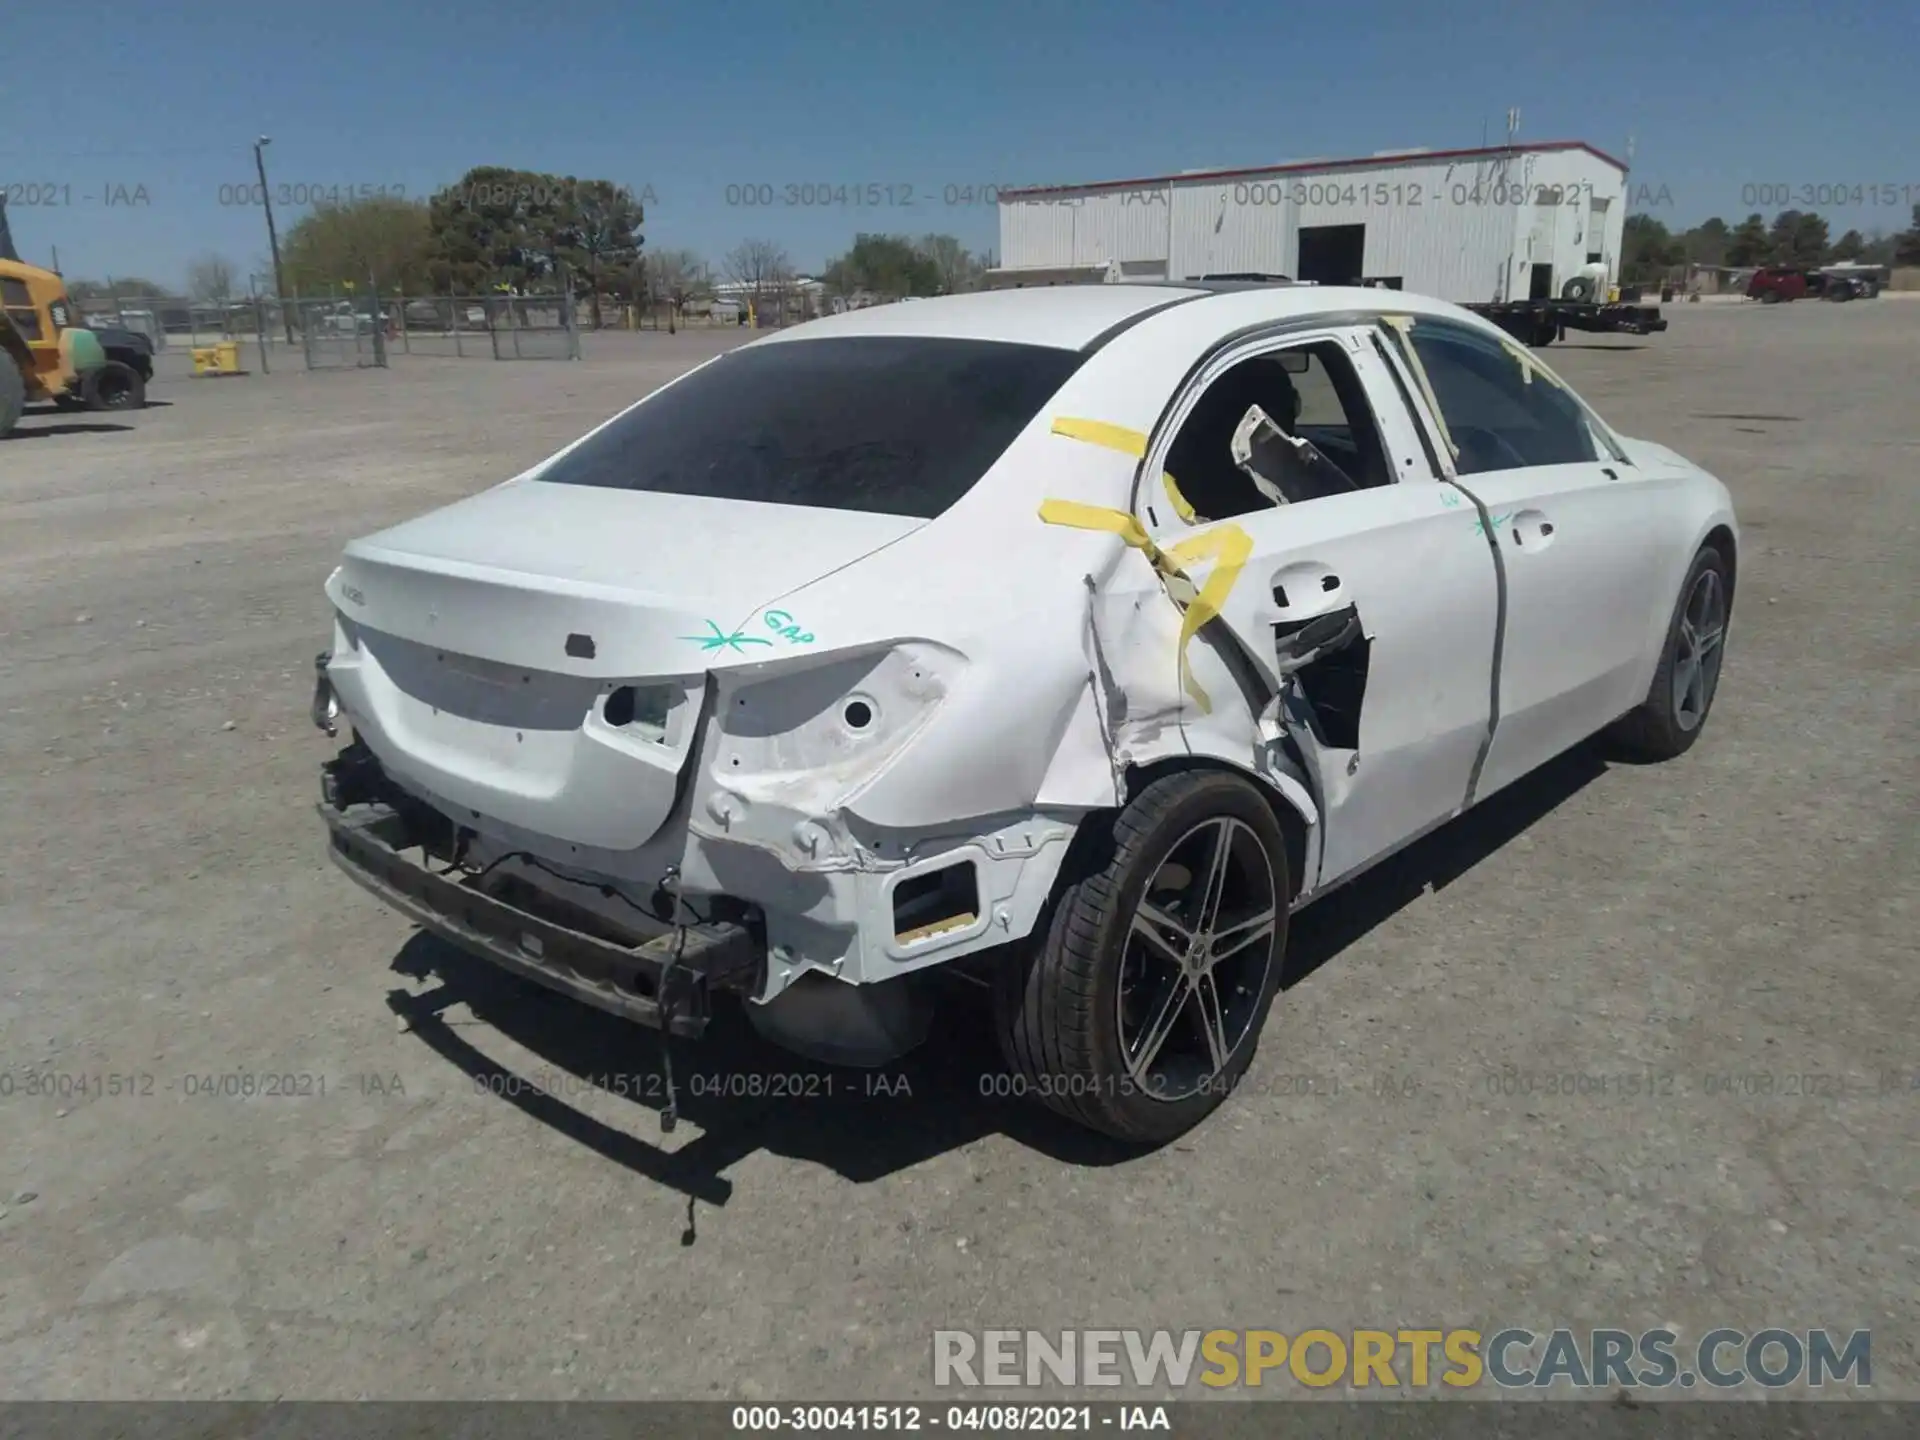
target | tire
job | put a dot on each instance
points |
(1578, 288)
(1090, 981)
(114, 386)
(13, 393)
(1770, 297)
(1667, 723)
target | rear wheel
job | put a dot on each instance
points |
(1139, 1008)
(114, 386)
(13, 393)
(1675, 710)
(1770, 297)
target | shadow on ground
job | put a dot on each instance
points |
(40, 432)
(746, 1095)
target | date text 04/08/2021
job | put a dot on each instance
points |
(1028, 1419)
(717, 1085)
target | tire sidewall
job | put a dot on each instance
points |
(133, 389)
(13, 392)
(1214, 795)
(1707, 558)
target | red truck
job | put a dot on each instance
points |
(1771, 285)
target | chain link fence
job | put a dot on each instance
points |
(336, 332)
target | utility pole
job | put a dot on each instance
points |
(273, 236)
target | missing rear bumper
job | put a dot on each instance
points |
(662, 979)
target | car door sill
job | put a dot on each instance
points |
(1328, 887)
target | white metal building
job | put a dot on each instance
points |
(1507, 222)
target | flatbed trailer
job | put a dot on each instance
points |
(1540, 322)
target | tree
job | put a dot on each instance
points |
(759, 265)
(1747, 245)
(602, 221)
(1850, 246)
(1647, 248)
(132, 287)
(210, 279)
(677, 276)
(497, 227)
(1906, 245)
(381, 237)
(957, 268)
(886, 266)
(1706, 243)
(1798, 237)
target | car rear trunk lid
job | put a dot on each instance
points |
(483, 642)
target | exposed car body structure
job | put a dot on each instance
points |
(1072, 636)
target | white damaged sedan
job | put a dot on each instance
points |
(1069, 639)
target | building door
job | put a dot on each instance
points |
(1332, 254)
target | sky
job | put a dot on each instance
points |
(127, 147)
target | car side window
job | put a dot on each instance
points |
(1271, 431)
(1500, 417)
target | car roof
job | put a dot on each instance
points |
(1062, 317)
(1084, 317)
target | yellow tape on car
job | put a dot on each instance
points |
(1107, 437)
(1127, 442)
(1228, 546)
(1530, 365)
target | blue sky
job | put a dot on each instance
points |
(126, 131)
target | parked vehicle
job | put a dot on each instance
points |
(47, 355)
(1069, 639)
(1772, 285)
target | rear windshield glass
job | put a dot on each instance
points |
(899, 425)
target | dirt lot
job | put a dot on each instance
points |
(1733, 932)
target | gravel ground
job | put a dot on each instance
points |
(1738, 926)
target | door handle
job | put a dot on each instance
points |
(1530, 529)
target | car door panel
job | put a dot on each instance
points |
(1580, 579)
(1398, 751)
(1576, 568)
(1390, 727)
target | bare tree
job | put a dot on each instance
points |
(210, 279)
(956, 266)
(761, 266)
(677, 276)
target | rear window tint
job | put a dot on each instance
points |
(897, 425)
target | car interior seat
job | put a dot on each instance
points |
(1201, 456)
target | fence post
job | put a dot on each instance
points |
(570, 312)
(259, 327)
(406, 338)
(453, 318)
(378, 320)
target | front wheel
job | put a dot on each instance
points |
(1675, 710)
(1139, 1007)
(13, 393)
(114, 386)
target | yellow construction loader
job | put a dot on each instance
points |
(48, 355)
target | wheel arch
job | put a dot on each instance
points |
(1721, 538)
(1293, 808)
